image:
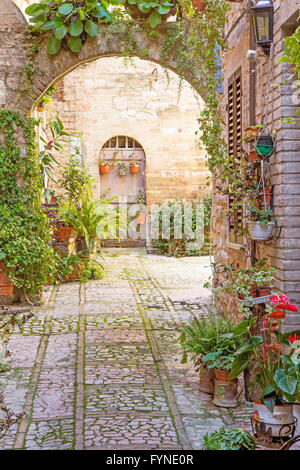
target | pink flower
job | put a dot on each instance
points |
(279, 299)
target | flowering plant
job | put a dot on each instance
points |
(277, 355)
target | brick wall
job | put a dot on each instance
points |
(284, 166)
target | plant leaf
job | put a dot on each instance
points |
(75, 44)
(66, 8)
(287, 383)
(91, 28)
(54, 45)
(76, 28)
(61, 32)
(154, 19)
(239, 364)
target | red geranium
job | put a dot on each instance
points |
(289, 307)
(294, 338)
(279, 299)
(278, 314)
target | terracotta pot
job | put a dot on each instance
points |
(6, 286)
(104, 169)
(76, 273)
(199, 4)
(207, 380)
(63, 234)
(226, 391)
(263, 420)
(134, 169)
(253, 157)
(6, 289)
(268, 195)
(263, 291)
(250, 134)
(253, 293)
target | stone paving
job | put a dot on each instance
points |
(98, 367)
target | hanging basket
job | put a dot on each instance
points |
(265, 146)
(259, 231)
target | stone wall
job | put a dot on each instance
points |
(107, 98)
(284, 166)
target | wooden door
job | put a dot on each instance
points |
(128, 188)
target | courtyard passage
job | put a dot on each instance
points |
(98, 367)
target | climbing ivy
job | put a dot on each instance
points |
(24, 233)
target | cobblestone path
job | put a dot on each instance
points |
(98, 367)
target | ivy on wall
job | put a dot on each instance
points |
(24, 233)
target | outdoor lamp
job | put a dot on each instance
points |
(263, 16)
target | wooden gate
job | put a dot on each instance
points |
(129, 188)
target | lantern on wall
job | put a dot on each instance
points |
(263, 22)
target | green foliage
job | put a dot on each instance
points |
(24, 233)
(228, 439)
(86, 268)
(74, 179)
(176, 244)
(70, 22)
(210, 340)
(152, 10)
(263, 216)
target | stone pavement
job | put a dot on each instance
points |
(98, 367)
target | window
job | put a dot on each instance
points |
(122, 142)
(234, 145)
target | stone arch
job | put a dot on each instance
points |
(22, 89)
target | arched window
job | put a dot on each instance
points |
(122, 142)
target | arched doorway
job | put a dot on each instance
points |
(125, 180)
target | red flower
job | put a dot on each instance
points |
(289, 307)
(50, 144)
(279, 298)
(294, 338)
(278, 314)
(264, 358)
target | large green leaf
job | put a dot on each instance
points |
(101, 12)
(91, 28)
(267, 390)
(155, 19)
(250, 345)
(76, 28)
(61, 32)
(240, 363)
(269, 401)
(163, 10)
(75, 43)
(240, 328)
(47, 26)
(58, 21)
(287, 383)
(66, 8)
(54, 45)
(35, 9)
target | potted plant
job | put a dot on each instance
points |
(122, 168)
(197, 339)
(228, 439)
(154, 14)
(277, 368)
(104, 166)
(6, 286)
(261, 222)
(251, 132)
(134, 165)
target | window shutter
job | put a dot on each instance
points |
(234, 145)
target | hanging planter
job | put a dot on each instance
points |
(122, 168)
(225, 391)
(265, 146)
(266, 195)
(253, 293)
(104, 169)
(206, 379)
(259, 231)
(269, 427)
(253, 157)
(6, 286)
(251, 133)
(134, 168)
